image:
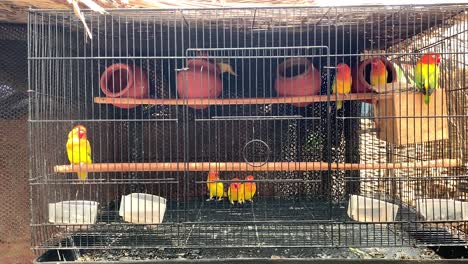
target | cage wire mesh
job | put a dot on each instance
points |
(162, 111)
(13, 134)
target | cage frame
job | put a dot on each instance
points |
(327, 166)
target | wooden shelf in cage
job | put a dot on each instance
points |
(236, 101)
(242, 166)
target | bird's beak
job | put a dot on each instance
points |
(81, 133)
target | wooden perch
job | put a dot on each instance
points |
(236, 101)
(242, 166)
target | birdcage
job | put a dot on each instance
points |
(342, 154)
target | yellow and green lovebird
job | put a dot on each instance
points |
(79, 149)
(342, 82)
(426, 75)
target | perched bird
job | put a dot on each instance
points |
(250, 187)
(342, 82)
(378, 73)
(426, 74)
(226, 67)
(215, 189)
(79, 149)
(223, 64)
(402, 74)
(236, 192)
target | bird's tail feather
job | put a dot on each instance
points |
(82, 175)
(426, 98)
(339, 105)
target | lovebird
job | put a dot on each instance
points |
(250, 187)
(79, 149)
(378, 73)
(223, 64)
(215, 189)
(426, 75)
(342, 82)
(236, 192)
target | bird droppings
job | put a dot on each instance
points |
(270, 253)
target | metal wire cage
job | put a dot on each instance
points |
(161, 110)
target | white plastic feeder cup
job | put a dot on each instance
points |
(77, 212)
(364, 209)
(142, 208)
(442, 209)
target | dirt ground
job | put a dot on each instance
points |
(14, 194)
(16, 252)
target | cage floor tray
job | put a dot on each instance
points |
(248, 255)
(265, 223)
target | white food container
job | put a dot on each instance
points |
(442, 209)
(73, 212)
(142, 208)
(364, 209)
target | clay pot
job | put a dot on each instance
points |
(200, 80)
(124, 81)
(297, 77)
(360, 72)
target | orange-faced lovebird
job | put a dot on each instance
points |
(215, 189)
(236, 192)
(79, 149)
(378, 73)
(426, 74)
(342, 82)
(250, 187)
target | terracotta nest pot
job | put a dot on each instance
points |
(124, 81)
(297, 77)
(362, 71)
(200, 80)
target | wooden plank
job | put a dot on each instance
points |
(242, 166)
(236, 101)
